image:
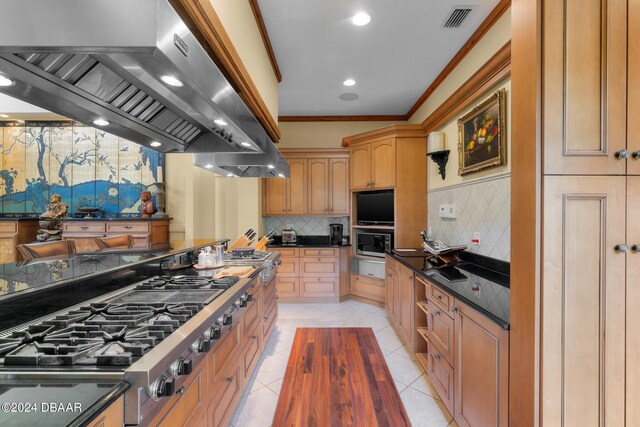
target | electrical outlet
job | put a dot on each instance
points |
(476, 238)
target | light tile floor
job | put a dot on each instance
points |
(259, 401)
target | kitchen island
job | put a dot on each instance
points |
(141, 332)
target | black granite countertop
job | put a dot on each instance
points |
(114, 219)
(55, 403)
(479, 281)
(305, 241)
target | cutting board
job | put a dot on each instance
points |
(240, 271)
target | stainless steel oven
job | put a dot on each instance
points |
(374, 243)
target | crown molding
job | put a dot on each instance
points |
(396, 131)
(255, 8)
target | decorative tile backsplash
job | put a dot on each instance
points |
(305, 225)
(483, 206)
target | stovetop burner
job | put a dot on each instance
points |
(102, 334)
(187, 282)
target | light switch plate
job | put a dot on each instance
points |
(448, 211)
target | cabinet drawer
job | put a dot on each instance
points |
(133, 227)
(439, 298)
(288, 252)
(88, 227)
(290, 267)
(269, 292)
(85, 243)
(269, 321)
(323, 252)
(288, 287)
(440, 374)
(319, 287)
(319, 267)
(251, 318)
(8, 227)
(190, 405)
(251, 352)
(367, 287)
(228, 391)
(440, 330)
(224, 355)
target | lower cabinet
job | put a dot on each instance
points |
(13, 233)
(113, 416)
(466, 359)
(147, 234)
(229, 391)
(368, 287)
(312, 274)
(400, 302)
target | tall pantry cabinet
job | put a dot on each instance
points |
(590, 331)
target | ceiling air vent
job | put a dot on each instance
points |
(458, 16)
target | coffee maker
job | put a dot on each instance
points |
(335, 234)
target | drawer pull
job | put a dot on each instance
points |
(454, 309)
(229, 379)
(182, 391)
(253, 337)
(437, 312)
(84, 227)
(436, 356)
(439, 297)
(128, 227)
(264, 317)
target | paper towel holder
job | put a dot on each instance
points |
(440, 158)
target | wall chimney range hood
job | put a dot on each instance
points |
(132, 66)
(245, 165)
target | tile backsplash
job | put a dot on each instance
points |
(483, 206)
(305, 225)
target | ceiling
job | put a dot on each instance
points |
(20, 110)
(393, 59)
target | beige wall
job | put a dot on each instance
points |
(322, 134)
(239, 22)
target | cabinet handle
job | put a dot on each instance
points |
(84, 227)
(635, 248)
(253, 337)
(622, 154)
(437, 313)
(410, 277)
(181, 391)
(439, 297)
(128, 227)
(436, 356)
(229, 379)
(623, 249)
(636, 155)
(454, 309)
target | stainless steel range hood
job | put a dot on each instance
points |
(266, 165)
(132, 63)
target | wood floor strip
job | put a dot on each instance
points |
(338, 377)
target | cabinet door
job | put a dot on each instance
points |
(633, 91)
(633, 301)
(113, 416)
(440, 374)
(288, 287)
(192, 403)
(297, 187)
(391, 285)
(319, 286)
(440, 331)
(360, 170)
(585, 86)
(275, 199)
(481, 371)
(318, 180)
(339, 187)
(406, 305)
(583, 301)
(383, 164)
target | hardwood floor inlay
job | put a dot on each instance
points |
(338, 377)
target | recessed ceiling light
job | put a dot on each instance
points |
(208, 166)
(101, 122)
(6, 81)
(171, 80)
(246, 144)
(349, 96)
(281, 175)
(220, 122)
(349, 82)
(361, 19)
(270, 166)
(230, 175)
(4, 116)
(155, 144)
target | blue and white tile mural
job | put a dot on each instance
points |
(86, 166)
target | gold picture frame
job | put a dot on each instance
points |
(482, 139)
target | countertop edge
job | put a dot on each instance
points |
(500, 322)
(100, 405)
(308, 246)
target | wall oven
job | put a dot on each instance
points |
(374, 243)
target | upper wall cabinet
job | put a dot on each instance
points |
(318, 185)
(585, 86)
(373, 165)
(633, 91)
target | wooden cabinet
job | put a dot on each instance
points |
(391, 290)
(225, 400)
(585, 86)
(13, 233)
(190, 404)
(307, 274)
(632, 301)
(406, 306)
(147, 234)
(367, 287)
(481, 370)
(318, 185)
(113, 416)
(440, 374)
(440, 330)
(633, 94)
(583, 300)
(373, 165)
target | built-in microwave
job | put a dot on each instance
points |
(374, 243)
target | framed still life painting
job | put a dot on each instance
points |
(482, 138)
